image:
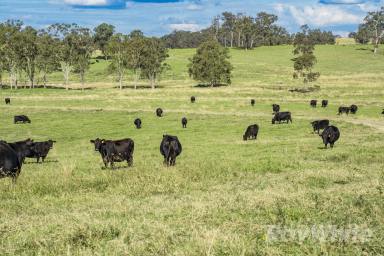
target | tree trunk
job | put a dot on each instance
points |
(231, 39)
(152, 81)
(45, 80)
(121, 81)
(136, 78)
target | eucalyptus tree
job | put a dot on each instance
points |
(136, 56)
(102, 35)
(374, 26)
(117, 50)
(48, 58)
(27, 50)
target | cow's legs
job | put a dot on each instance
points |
(43, 158)
(37, 159)
(130, 161)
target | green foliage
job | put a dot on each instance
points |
(211, 64)
(373, 27)
(102, 35)
(304, 59)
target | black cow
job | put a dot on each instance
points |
(275, 108)
(324, 103)
(170, 148)
(344, 110)
(251, 132)
(137, 123)
(21, 119)
(353, 108)
(330, 135)
(282, 116)
(382, 112)
(184, 122)
(253, 102)
(193, 99)
(10, 165)
(41, 150)
(7, 101)
(23, 149)
(112, 151)
(313, 103)
(159, 112)
(319, 124)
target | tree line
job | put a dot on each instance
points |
(68, 48)
(243, 31)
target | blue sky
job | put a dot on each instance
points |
(157, 17)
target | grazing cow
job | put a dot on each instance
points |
(382, 112)
(343, 110)
(193, 99)
(253, 102)
(21, 119)
(23, 149)
(324, 103)
(7, 101)
(282, 116)
(313, 103)
(184, 122)
(319, 124)
(159, 112)
(10, 165)
(275, 108)
(170, 148)
(251, 132)
(330, 135)
(137, 123)
(353, 108)
(41, 150)
(112, 151)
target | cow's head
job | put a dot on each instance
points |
(98, 143)
(50, 143)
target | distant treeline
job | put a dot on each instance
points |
(242, 31)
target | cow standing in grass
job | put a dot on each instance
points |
(137, 123)
(276, 108)
(7, 101)
(170, 148)
(343, 110)
(330, 135)
(251, 132)
(112, 151)
(253, 102)
(10, 163)
(193, 99)
(353, 108)
(282, 116)
(41, 150)
(324, 103)
(184, 122)
(21, 119)
(319, 124)
(159, 112)
(313, 103)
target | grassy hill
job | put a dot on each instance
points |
(224, 194)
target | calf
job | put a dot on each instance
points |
(112, 151)
(253, 102)
(193, 99)
(137, 123)
(159, 112)
(275, 108)
(7, 101)
(353, 108)
(21, 119)
(41, 150)
(343, 110)
(184, 122)
(251, 132)
(313, 103)
(170, 148)
(319, 124)
(10, 164)
(330, 135)
(324, 103)
(282, 116)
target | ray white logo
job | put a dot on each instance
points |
(353, 234)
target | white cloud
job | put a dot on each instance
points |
(87, 2)
(185, 26)
(194, 7)
(321, 15)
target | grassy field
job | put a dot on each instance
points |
(224, 193)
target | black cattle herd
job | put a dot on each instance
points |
(12, 155)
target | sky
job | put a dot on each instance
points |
(159, 17)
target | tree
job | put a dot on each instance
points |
(152, 63)
(135, 56)
(117, 49)
(27, 49)
(374, 25)
(47, 60)
(304, 56)
(83, 48)
(211, 64)
(229, 23)
(102, 35)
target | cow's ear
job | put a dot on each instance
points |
(54, 141)
(92, 141)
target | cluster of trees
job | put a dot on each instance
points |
(242, 31)
(68, 48)
(371, 30)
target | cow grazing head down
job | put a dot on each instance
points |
(170, 148)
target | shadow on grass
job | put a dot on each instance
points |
(47, 87)
(209, 86)
(138, 87)
(45, 162)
